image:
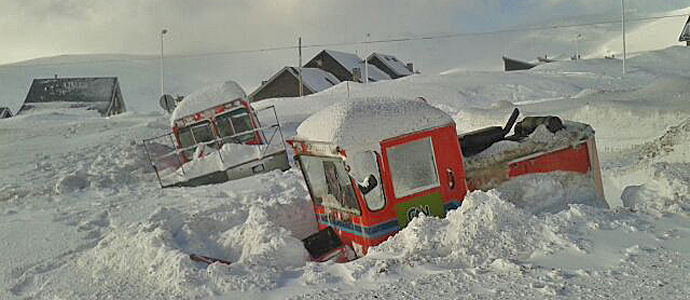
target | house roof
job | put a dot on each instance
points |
(393, 63)
(351, 61)
(685, 33)
(5, 112)
(315, 79)
(98, 92)
(80, 89)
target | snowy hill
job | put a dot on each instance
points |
(647, 36)
(82, 215)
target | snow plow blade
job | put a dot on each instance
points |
(323, 245)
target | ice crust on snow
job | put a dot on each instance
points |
(208, 97)
(361, 124)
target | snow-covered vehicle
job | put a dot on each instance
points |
(217, 136)
(372, 165)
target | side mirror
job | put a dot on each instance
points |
(369, 185)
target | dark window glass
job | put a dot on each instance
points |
(202, 132)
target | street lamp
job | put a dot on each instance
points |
(163, 32)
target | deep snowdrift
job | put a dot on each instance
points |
(83, 216)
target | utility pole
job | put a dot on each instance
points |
(366, 64)
(577, 46)
(163, 32)
(623, 21)
(299, 45)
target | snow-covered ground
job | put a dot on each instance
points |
(82, 215)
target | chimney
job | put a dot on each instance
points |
(410, 67)
(56, 76)
(357, 74)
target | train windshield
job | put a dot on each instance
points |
(329, 183)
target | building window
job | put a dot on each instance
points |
(412, 167)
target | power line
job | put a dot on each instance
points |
(382, 41)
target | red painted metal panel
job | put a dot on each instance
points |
(574, 159)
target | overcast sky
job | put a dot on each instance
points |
(37, 28)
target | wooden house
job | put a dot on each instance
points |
(5, 113)
(343, 65)
(285, 83)
(100, 93)
(685, 33)
(391, 65)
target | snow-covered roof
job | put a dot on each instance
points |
(315, 79)
(361, 123)
(5, 112)
(393, 63)
(685, 34)
(102, 93)
(208, 97)
(351, 61)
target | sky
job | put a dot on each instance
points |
(39, 28)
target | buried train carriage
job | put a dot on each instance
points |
(371, 165)
(217, 136)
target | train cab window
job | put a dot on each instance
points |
(412, 167)
(365, 170)
(202, 132)
(329, 183)
(234, 122)
(186, 140)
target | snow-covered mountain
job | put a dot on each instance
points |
(82, 216)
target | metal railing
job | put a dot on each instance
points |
(166, 158)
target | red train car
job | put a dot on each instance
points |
(372, 165)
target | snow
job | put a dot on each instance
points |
(208, 97)
(82, 216)
(230, 155)
(648, 36)
(361, 124)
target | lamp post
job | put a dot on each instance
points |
(163, 32)
(625, 54)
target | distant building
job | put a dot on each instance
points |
(511, 64)
(5, 113)
(391, 65)
(685, 33)
(99, 93)
(344, 66)
(285, 83)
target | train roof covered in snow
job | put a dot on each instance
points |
(362, 123)
(208, 97)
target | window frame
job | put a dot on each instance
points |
(379, 177)
(419, 189)
(355, 211)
